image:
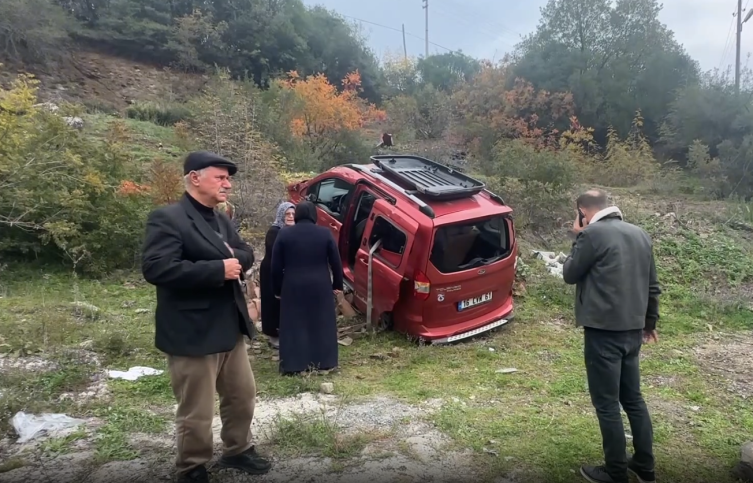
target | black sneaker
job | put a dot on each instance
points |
(249, 461)
(641, 475)
(196, 475)
(597, 474)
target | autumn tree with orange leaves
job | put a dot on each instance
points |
(320, 112)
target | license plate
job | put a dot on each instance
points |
(481, 299)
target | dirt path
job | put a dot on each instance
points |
(390, 441)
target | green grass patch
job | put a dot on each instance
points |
(538, 420)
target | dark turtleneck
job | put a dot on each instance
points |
(206, 212)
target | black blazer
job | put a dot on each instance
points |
(198, 311)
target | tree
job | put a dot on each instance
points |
(322, 111)
(615, 59)
(226, 123)
(65, 195)
(32, 30)
(447, 71)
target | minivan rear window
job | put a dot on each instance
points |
(470, 244)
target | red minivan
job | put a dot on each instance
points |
(426, 250)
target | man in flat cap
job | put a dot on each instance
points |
(195, 258)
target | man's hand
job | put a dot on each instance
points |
(650, 336)
(576, 224)
(232, 269)
(230, 248)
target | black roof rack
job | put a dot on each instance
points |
(427, 177)
(422, 206)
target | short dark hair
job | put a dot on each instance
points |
(593, 199)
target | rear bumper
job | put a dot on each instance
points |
(464, 330)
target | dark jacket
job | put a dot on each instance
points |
(198, 311)
(612, 265)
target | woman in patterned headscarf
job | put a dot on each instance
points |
(270, 306)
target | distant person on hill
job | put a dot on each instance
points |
(385, 141)
(302, 258)
(270, 305)
(617, 302)
(196, 259)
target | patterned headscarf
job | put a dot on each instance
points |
(280, 217)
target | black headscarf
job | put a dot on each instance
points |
(305, 211)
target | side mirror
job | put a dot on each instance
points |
(311, 197)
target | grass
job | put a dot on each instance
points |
(537, 421)
(148, 140)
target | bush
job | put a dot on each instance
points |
(538, 184)
(425, 115)
(63, 195)
(160, 114)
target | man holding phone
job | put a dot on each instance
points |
(617, 303)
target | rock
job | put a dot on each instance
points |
(746, 453)
(142, 311)
(743, 472)
(345, 341)
(74, 122)
(327, 388)
(506, 370)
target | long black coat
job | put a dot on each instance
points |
(270, 305)
(198, 311)
(308, 321)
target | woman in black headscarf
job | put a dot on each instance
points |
(301, 261)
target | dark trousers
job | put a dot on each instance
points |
(613, 370)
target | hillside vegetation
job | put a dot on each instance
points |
(287, 91)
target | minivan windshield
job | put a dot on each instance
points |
(470, 244)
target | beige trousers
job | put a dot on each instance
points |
(194, 381)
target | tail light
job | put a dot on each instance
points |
(421, 286)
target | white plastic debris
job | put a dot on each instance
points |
(29, 426)
(554, 262)
(134, 373)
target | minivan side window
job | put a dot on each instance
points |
(393, 241)
(330, 195)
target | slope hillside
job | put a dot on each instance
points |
(104, 82)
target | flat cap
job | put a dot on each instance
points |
(204, 159)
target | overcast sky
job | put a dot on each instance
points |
(489, 28)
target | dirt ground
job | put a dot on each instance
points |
(404, 448)
(106, 82)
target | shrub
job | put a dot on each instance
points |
(157, 113)
(425, 115)
(64, 195)
(537, 183)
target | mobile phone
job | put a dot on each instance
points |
(581, 217)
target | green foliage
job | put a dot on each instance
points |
(258, 38)
(615, 58)
(424, 115)
(59, 194)
(539, 184)
(32, 30)
(159, 113)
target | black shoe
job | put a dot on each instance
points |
(196, 475)
(597, 474)
(249, 461)
(642, 475)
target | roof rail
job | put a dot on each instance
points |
(422, 206)
(430, 178)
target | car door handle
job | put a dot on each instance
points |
(365, 261)
(333, 225)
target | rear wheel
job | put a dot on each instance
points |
(386, 322)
